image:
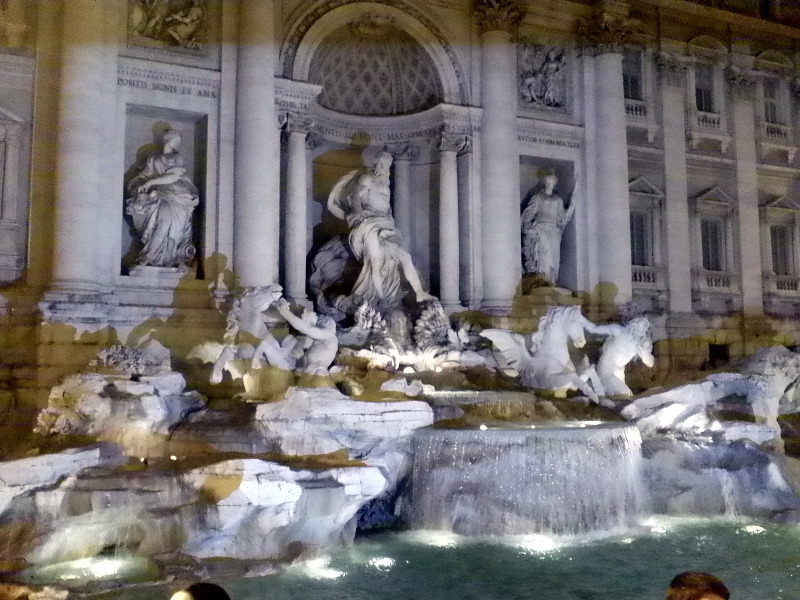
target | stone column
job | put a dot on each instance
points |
(603, 36)
(81, 149)
(748, 245)
(449, 239)
(500, 194)
(676, 210)
(256, 212)
(295, 224)
(401, 193)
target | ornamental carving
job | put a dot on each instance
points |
(296, 122)
(499, 15)
(542, 76)
(741, 81)
(403, 151)
(671, 68)
(168, 23)
(454, 143)
(605, 33)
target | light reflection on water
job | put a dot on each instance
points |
(757, 560)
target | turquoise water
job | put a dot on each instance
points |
(758, 561)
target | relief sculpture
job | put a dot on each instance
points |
(180, 23)
(542, 78)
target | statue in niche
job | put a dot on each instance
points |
(161, 200)
(542, 80)
(543, 222)
(361, 198)
(623, 344)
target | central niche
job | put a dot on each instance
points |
(372, 68)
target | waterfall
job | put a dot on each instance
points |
(552, 480)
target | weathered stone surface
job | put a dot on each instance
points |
(259, 507)
(18, 477)
(323, 420)
(402, 385)
(701, 478)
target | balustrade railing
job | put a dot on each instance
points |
(775, 131)
(707, 120)
(784, 285)
(647, 277)
(636, 108)
(716, 281)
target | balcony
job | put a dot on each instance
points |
(639, 115)
(776, 137)
(782, 285)
(781, 295)
(646, 277)
(707, 126)
(715, 292)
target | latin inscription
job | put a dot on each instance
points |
(169, 88)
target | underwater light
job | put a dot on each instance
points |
(439, 539)
(538, 543)
(173, 457)
(753, 529)
(318, 568)
(483, 427)
(383, 563)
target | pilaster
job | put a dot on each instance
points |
(449, 147)
(297, 128)
(502, 266)
(672, 74)
(257, 175)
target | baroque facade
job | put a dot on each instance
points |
(670, 128)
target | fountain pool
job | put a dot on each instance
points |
(757, 560)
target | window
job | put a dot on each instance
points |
(712, 240)
(704, 88)
(771, 101)
(782, 246)
(632, 74)
(641, 254)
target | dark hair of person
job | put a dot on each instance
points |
(696, 585)
(207, 591)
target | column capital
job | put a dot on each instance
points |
(741, 81)
(296, 122)
(499, 15)
(605, 33)
(672, 68)
(403, 151)
(451, 142)
(314, 140)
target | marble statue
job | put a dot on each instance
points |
(623, 344)
(547, 365)
(320, 346)
(542, 79)
(361, 198)
(161, 200)
(543, 222)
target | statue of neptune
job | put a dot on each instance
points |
(362, 199)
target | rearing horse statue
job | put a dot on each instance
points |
(545, 362)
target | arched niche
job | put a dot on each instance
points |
(309, 33)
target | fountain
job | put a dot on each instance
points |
(564, 479)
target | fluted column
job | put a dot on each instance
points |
(502, 249)
(603, 37)
(256, 213)
(748, 246)
(401, 194)
(449, 238)
(672, 73)
(80, 143)
(297, 128)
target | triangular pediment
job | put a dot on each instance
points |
(715, 195)
(641, 185)
(784, 202)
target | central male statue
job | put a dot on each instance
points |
(362, 199)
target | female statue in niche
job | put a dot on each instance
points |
(161, 199)
(543, 222)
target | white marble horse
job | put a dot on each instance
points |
(547, 364)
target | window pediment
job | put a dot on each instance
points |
(714, 200)
(644, 193)
(784, 202)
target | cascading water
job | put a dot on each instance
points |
(550, 480)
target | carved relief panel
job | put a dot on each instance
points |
(542, 77)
